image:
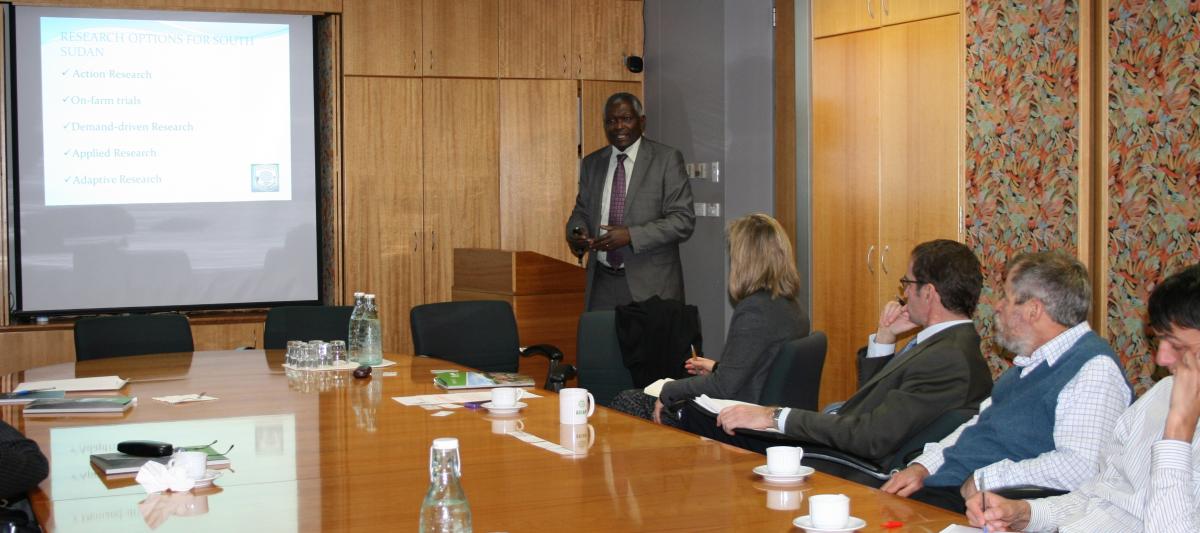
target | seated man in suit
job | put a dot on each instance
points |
(1149, 476)
(941, 368)
(1050, 413)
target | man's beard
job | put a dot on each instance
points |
(1018, 347)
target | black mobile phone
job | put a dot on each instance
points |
(577, 230)
(145, 448)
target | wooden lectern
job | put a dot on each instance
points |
(546, 295)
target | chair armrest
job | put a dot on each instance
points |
(852, 461)
(558, 377)
(1027, 492)
(548, 351)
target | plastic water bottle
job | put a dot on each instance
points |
(354, 337)
(445, 509)
(372, 333)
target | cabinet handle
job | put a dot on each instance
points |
(415, 69)
(870, 250)
(886, 12)
(430, 69)
(416, 242)
(870, 13)
(433, 239)
(883, 258)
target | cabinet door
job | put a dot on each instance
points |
(606, 31)
(898, 11)
(591, 109)
(845, 200)
(535, 39)
(831, 17)
(366, 23)
(460, 38)
(462, 175)
(539, 165)
(920, 140)
(382, 139)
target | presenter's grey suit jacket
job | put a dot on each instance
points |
(658, 212)
(895, 401)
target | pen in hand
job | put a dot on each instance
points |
(983, 503)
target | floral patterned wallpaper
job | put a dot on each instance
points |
(1154, 161)
(328, 159)
(1022, 135)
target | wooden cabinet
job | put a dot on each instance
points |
(605, 32)
(887, 144)
(539, 168)
(382, 179)
(535, 39)
(367, 23)
(460, 38)
(831, 17)
(898, 11)
(460, 183)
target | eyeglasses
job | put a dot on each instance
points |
(904, 282)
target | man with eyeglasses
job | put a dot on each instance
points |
(1149, 476)
(1050, 413)
(940, 369)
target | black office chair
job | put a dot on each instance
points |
(327, 323)
(866, 472)
(598, 357)
(115, 336)
(482, 335)
(795, 378)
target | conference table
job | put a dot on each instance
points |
(323, 451)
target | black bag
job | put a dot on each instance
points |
(16, 516)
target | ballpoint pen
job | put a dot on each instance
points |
(983, 503)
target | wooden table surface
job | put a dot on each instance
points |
(326, 452)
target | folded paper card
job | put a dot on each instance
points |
(77, 384)
(655, 389)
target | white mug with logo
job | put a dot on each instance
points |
(194, 463)
(575, 406)
(829, 511)
(505, 396)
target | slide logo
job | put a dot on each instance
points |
(264, 177)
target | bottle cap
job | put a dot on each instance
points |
(359, 294)
(370, 296)
(445, 443)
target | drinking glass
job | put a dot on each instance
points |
(337, 352)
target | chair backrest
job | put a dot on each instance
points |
(795, 378)
(598, 357)
(115, 336)
(307, 322)
(480, 334)
(935, 431)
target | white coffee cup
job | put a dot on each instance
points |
(504, 427)
(784, 460)
(194, 463)
(829, 511)
(578, 438)
(784, 500)
(505, 396)
(575, 406)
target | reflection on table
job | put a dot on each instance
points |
(331, 453)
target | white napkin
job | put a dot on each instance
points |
(184, 398)
(156, 477)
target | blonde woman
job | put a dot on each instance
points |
(763, 286)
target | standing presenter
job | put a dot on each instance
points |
(633, 208)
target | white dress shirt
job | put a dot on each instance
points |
(631, 152)
(1087, 410)
(883, 350)
(1145, 483)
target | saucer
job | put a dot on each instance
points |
(784, 479)
(854, 524)
(503, 410)
(207, 480)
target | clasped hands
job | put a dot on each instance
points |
(613, 238)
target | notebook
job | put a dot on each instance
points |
(461, 379)
(118, 463)
(85, 405)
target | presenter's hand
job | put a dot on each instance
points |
(893, 322)
(745, 416)
(579, 242)
(907, 481)
(615, 237)
(1001, 515)
(1185, 392)
(699, 365)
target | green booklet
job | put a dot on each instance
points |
(462, 379)
(119, 463)
(79, 405)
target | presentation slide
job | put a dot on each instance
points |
(133, 113)
(164, 160)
